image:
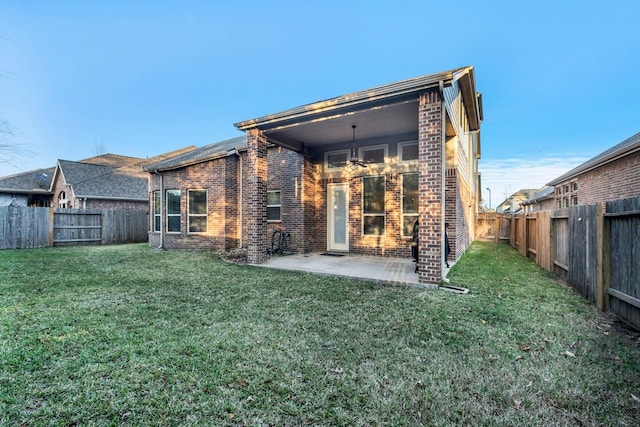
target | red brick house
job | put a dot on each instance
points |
(612, 174)
(348, 174)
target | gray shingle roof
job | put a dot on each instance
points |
(199, 155)
(100, 181)
(30, 181)
(629, 144)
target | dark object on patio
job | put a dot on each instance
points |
(280, 243)
(447, 248)
(414, 244)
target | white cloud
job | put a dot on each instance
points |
(506, 176)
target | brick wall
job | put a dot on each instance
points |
(256, 194)
(218, 177)
(430, 148)
(616, 180)
(451, 211)
(285, 174)
(111, 204)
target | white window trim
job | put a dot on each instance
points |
(401, 146)
(362, 150)
(275, 206)
(402, 214)
(167, 214)
(331, 153)
(190, 215)
(383, 214)
(63, 202)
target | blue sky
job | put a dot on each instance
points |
(140, 78)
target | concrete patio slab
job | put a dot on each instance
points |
(382, 270)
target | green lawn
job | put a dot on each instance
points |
(127, 335)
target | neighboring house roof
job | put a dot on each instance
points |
(518, 197)
(544, 193)
(626, 147)
(203, 154)
(97, 181)
(36, 181)
(113, 160)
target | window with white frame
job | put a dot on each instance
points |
(173, 211)
(274, 207)
(62, 200)
(408, 151)
(409, 202)
(197, 208)
(157, 209)
(373, 213)
(373, 155)
(335, 160)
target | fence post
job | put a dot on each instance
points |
(603, 257)
(552, 242)
(51, 221)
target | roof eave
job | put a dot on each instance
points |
(588, 166)
(23, 191)
(374, 95)
(124, 199)
(152, 169)
(471, 98)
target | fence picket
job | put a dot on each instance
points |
(25, 227)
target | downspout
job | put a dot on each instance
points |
(443, 179)
(161, 246)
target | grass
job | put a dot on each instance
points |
(127, 335)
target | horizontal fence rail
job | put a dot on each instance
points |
(25, 227)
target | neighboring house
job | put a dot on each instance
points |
(107, 181)
(512, 204)
(542, 200)
(27, 188)
(351, 174)
(612, 174)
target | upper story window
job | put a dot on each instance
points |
(274, 206)
(335, 160)
(62, 200)
(197, 208)
(408, 151)
(173, 211)
(157, 209)
(574, 186)
(373, 155)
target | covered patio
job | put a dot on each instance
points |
(380, 270)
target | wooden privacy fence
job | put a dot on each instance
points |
(594, 248)
(22, 227)
(493, 227)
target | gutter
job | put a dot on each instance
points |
(376, 94)
(127, 199)
(588, 166)
(191, 162)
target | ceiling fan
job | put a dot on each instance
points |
(354, 160)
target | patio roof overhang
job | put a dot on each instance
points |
(382, 111)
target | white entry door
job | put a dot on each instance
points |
(338, 217)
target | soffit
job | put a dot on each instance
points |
(375, 121)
